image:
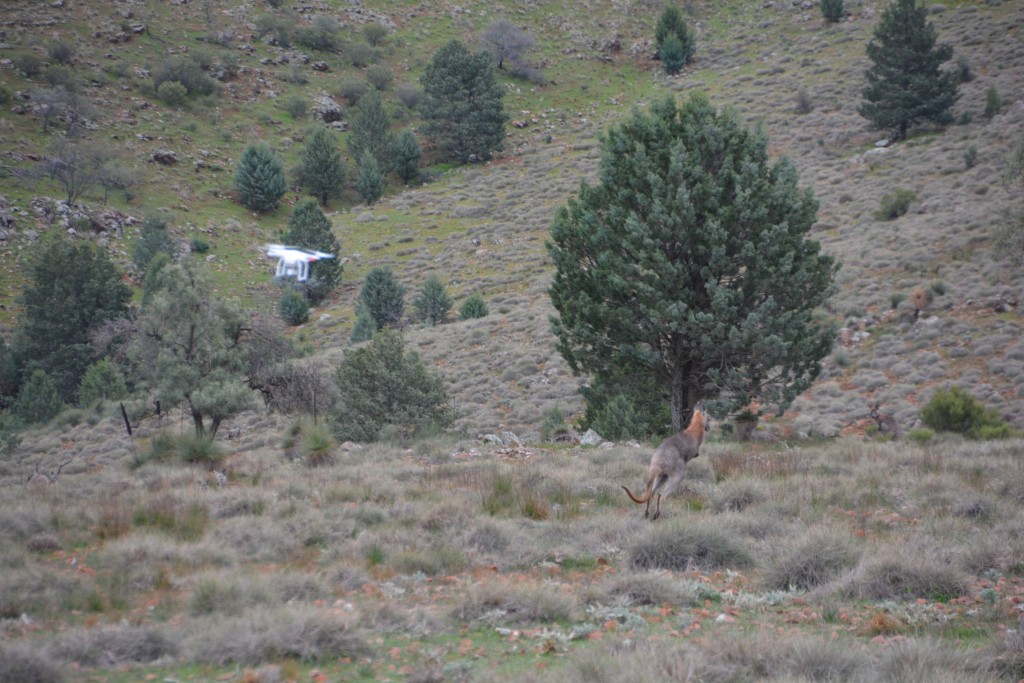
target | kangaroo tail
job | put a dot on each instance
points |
(642, 499)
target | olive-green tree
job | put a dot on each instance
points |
(190, 348)
(381, 385)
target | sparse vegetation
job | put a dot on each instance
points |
(386, 561)
(895, 204)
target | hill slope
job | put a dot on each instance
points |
(482, 228)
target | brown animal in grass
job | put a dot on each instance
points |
(668, 464)
(887, 424)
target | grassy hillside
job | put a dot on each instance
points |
(482, 228)
(450, 559)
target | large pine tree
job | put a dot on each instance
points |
(321, 169)
(308, 227)
(462, 104)
(905, 84)
(688, 264)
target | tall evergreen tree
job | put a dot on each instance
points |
(259, 178)
(308, 227)
(370, 131)
(74, 288)
(407, 156)
(462, 104)
(689, 264)
(905, 84)
(671, 22)
(383, 297)
(370, 179)
(321, 170)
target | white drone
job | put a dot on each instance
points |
(294, 261)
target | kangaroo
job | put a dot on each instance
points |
(668, 464)
(887, 424)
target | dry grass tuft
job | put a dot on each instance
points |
(812, 559)
(309, 634)
(116, 646)
(20, 662)
(895, 576)
(496, 601)
(680, 544)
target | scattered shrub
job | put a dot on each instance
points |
(895, 204)
(172, 93)
(166, 514)
(351, 89)
(361, 55)
(364, 328)
(28, 64)
(921, 435)
(954, 410)
(39, 400)
(198, 450)
(832, 10)
(101, 382)
(804, 104)
(318, 38)
(473, 307)
(186, 72)
(963, 70)
(297, 107)
(920, 299)
(199, 245)
(293, 307)
(374, 34)
(379, 76)
(619, 419)
(61, 51)
(153, 239)
(370, 178)
(970, 157)
(993, 103)
(409, 94)
(553, 425)
(316, 443)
